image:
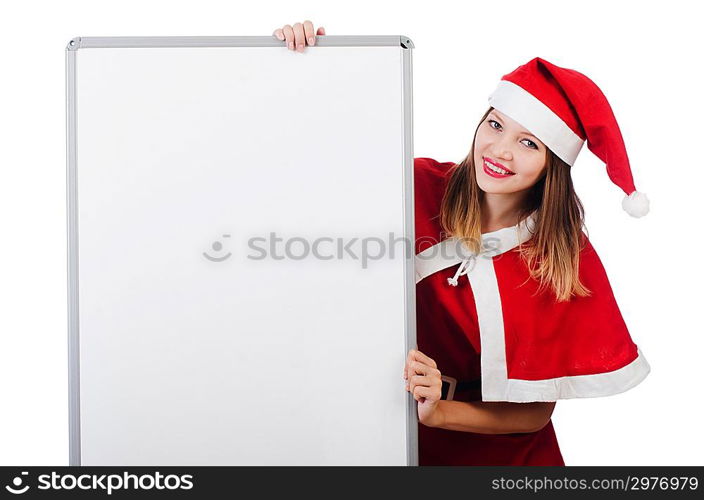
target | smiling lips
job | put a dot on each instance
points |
(496, 170)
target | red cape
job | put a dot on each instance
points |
(531, 347)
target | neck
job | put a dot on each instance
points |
(500, 210)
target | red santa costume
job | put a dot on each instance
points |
(479, 316)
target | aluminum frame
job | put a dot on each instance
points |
(225, 41)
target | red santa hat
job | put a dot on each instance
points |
(563, 108)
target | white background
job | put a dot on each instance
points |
(644, 56)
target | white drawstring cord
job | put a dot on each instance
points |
(461, 271)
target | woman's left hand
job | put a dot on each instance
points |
(423, 380)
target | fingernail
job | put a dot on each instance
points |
(311, 40)
(290, 45)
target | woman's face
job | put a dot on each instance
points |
(502, 142)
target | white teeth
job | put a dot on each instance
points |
(496, 169)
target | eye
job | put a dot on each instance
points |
(490, 122)
(532, 144)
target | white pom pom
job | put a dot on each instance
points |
(636, 204)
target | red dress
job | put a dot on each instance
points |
(487, 330)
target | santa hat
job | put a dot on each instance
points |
(564, 108)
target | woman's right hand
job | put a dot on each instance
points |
(299, 35)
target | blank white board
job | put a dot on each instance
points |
(192, 164)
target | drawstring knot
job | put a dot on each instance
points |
(461, 271)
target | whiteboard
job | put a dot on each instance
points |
(201, 330)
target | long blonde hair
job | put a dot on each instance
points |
(552, 253)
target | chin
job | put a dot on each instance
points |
(492, 189)
(496, 191)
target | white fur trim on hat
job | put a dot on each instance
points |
(529, 111)
(636, 204)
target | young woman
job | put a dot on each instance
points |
(514, 308)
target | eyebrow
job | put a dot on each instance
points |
(525, 132)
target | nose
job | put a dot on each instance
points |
(502, 149)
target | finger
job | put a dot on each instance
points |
(432, 377)
(288, 33)
(300, 37)
(406, 365)
(422, 392)
(321, 31)
(424, 370)
(279, 34)
(309, 32)
(417, 380)
(416, 367)
(425, 359)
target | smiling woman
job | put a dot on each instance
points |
(536, 320)
(479, 200)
